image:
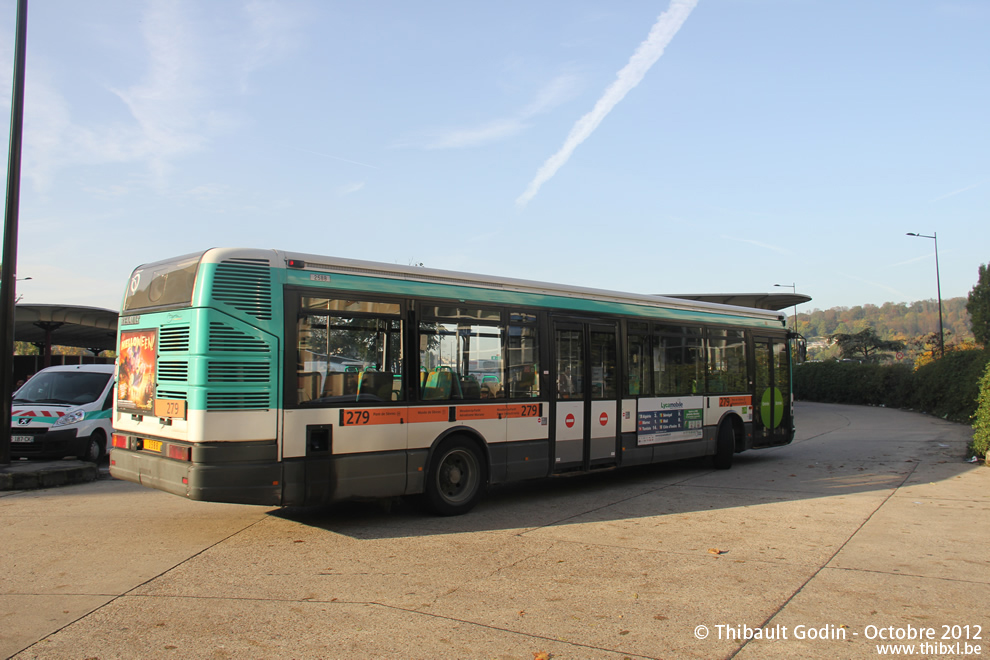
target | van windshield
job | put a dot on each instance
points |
(67, 387)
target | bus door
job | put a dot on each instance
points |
(586, 406)
(772, 422)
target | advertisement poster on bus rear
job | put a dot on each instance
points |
(669, 420)
(136, 370)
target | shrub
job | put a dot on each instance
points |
(947, 387)
(981, 421)
(852, 382)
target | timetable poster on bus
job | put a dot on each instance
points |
(669, 420)
(136, 370)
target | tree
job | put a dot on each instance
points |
(978, 306)
(865, 345)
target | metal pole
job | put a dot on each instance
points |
(938, 285)
(794, 290)
(8, 269)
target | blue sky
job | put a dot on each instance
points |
(683, 147)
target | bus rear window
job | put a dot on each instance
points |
(163, 284)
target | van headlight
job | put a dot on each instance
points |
(73, 417)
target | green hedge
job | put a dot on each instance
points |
(981, 422)
(948, 388)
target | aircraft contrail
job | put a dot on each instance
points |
(648, 52)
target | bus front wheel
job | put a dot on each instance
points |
(456, 479)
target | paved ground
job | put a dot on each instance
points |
(869, 524)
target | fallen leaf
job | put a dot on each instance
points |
(541, 655)
(660, 617)
(716, 551)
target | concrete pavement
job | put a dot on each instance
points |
(870, 524)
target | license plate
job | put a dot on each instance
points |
(153, 445)
(22, 438)
(166, 408)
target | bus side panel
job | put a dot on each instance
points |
(527, 459)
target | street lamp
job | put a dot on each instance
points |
(938, 285)
(20, 295)
(794, 289)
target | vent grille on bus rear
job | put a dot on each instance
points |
(225, 338)
(245, 284)
(238, 372)
(170, 394)
(174, 338)
(236, 401)
(173, 371)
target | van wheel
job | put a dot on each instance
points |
(94, 448)
(725, 446)
(457, 477)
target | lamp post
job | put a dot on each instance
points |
(793, 289)
(938, 286)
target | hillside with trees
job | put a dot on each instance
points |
(915, 324)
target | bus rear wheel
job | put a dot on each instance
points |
(456, 479)
(725, 446)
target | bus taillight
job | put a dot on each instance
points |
(179, 452)
(119, 441)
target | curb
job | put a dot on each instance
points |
(29, 477)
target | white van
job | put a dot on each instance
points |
(63, 411)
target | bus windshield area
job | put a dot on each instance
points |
(65, 387)
(162, 284)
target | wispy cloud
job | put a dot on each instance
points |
(924, 257)
(172, 110)
(165, 102)
(765, 246)
(350, 188)
(878, 285)
(559, 90)
(646, 55)
(957, 192)
(273, 33)
(331, 156)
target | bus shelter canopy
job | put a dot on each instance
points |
(772, 301)
(92, 328)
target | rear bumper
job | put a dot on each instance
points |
(254, 481)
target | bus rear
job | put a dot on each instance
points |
(196, 408)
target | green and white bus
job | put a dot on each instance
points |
(277, 378)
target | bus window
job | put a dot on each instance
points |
(460, 360)
(570, 364)
(726, 361)
(638, 360)
(523, 354)
(342, 357)
(603, 365)
(678, 360)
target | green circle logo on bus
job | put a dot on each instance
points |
(778, 407)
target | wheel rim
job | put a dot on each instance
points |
(458, 476)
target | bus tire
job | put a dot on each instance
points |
(457, 477)
(725, 446)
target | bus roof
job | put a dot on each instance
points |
(329, 264)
